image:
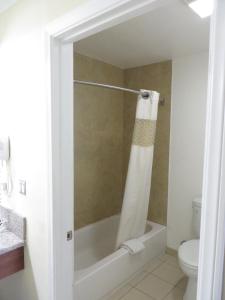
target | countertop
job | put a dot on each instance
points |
(12, 232)
(9, 241)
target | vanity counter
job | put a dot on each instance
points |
(9, 241)
(12, 239)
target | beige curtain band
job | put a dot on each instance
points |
(144, 132)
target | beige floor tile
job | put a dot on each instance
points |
(153, 264)
(182, 284)
(137, 278)
(169, 273)
(118, 293)
(164, 257)
(154, 287)
(172, 260)
(175, 294)
(136, 295)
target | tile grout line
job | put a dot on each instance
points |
(150, 297)
(171, 264)
(119, 298)
(151, 272)
(170, 292)
(110, 295)
(180, 288)
(145, 294)
(146, 271)
(167, 281)
(173, 286)
(156, 267)
(146, 275)
(124, 294)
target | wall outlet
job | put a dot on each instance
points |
(22, 187)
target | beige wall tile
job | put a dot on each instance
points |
(104, 121)
(98, 116)
(153, 77)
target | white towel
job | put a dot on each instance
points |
(133, 246)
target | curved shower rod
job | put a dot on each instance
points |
(144, 94)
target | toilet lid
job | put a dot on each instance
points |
(188, 252)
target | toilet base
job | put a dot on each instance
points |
(191, 290)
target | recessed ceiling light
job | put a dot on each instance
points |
(203, 8)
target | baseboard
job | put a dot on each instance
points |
(171, 251)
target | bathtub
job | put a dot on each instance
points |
(99, 268)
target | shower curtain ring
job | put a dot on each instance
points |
(145, 95)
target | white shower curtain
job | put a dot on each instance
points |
(138, 182)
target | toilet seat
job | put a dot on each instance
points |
(188, 254)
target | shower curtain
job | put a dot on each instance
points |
(138, 182)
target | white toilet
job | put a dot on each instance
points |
(188, 253)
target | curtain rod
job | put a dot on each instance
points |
(143, 94)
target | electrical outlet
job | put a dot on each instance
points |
(22, 187)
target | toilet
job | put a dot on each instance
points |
(188, 253)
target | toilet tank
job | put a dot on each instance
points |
(196, 216)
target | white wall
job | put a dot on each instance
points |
(189, 90)
(23, 116)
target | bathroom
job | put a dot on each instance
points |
(112, 149)
(175, 66)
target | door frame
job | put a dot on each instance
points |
(85, 20)
(211, 257)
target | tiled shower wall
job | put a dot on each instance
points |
(98, 116)
(104, 122)
(156, 77)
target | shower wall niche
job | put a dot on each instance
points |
(104, 120)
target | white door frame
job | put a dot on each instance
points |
(89, 18)
(211, 257)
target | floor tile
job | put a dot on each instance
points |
(164, 257)
(154, 287)
(136, 295)
(171, 260)
(153, 264)
(175, 294)
(182, 284)
(137, 278)
(169, 273)
(118, 293)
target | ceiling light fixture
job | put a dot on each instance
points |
(203, 8)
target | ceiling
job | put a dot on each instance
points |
(159, 35)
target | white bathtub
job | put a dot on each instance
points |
(98, 268)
